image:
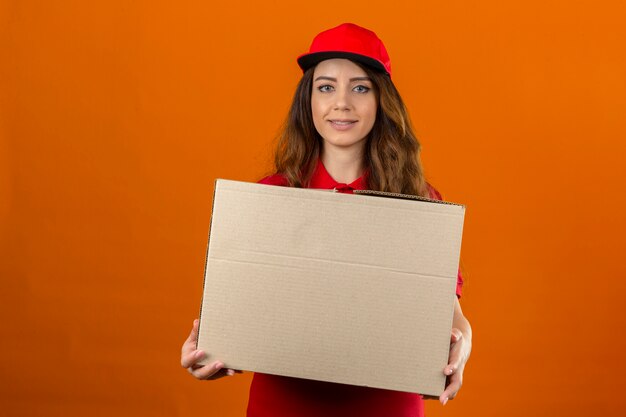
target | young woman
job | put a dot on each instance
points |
(347, 129)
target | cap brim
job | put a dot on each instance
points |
(307, 61)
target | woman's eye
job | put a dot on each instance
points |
(361, 89)
(325, 88)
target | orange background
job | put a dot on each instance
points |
(117, 116)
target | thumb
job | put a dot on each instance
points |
(193, 336)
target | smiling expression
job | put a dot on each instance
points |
(343, 103)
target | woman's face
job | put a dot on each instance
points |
(343, 102)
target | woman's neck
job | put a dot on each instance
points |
(344, 166)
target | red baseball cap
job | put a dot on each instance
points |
(347, 41)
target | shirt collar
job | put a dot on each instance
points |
(322, 179)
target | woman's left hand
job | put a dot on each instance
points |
(460, 348)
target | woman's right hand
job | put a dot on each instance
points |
(190, 356)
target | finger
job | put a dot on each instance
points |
(455, 335)
(207, 371)
(232, 372)
(451, 390)
(454, 361)
(429, 397)
(191, 358)
(193, 336)
(222, 373)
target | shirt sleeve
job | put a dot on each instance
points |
(436, 195)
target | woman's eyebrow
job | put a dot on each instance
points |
(323, 77)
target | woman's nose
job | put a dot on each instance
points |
(342, 99)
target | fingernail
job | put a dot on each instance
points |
(198, 354)
(445, 400)
(230, 372)
(219, 365)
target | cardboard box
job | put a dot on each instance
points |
(354, 289)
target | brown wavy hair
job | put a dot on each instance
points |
(392, 151)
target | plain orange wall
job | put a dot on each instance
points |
(117, 116)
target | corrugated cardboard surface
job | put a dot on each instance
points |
(335, 287)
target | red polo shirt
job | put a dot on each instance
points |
(279, 396)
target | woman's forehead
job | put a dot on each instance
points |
(338, 67)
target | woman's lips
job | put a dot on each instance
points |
(342, 124)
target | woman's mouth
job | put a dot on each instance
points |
(342, 124)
